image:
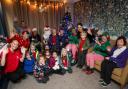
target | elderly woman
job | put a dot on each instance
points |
(117, 59)
(11, 60)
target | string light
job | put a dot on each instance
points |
(42, 5)
(28, 2)
(8, 1)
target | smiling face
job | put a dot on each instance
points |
(54, 32)
(61, 32)
(14, 45)
(42, 61)
(83, 35)
(25, 35)
(28, 56)
(80, 28)
(104, 39)
(32, 48)
(120, 43)
(54, 55)
(64, 52)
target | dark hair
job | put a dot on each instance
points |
(55, 52)
(80, 24)
(123, 38)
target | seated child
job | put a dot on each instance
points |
(40, 69)
(99, 52)
(65, 60)
(29, 63)
(73, 43)
(55, 64)
(34, 52)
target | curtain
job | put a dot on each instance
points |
(3, 30)
(51, 16)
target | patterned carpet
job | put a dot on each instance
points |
(76, 80)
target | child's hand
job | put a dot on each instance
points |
(107, 58)
(109, 48)
(61, 43)
(82, 49)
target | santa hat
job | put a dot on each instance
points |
(34, 29)
(46, 28)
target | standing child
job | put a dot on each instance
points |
(53, 42)
(39, 71)
(82, 49)
(66, 61)
(63, 39)
(28, 63)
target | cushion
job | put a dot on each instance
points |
(116, 71)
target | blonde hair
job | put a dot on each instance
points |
(83, 34)
(62, 51)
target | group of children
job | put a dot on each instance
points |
(58, 52)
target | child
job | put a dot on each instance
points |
(53, 42)
(55, 64)
(34, 52)
(66, 62)
(82, 49)
(73, 42)
(99, 52)
(40, 69)
(63, 39)
(28, 63)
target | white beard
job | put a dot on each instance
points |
(46, 34)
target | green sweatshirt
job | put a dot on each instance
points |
(102, 50)
(73, 39)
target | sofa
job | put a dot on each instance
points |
(120, 75)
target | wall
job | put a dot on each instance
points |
(107, 15)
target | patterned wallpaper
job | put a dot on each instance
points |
(107, 15)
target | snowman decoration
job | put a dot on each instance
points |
(47, 33)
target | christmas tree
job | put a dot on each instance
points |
(66, 22)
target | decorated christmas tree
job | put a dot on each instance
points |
(66, 22)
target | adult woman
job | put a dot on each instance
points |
(117, 59)
(12, 58)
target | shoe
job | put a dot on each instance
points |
(77, 66)
(104, 84)
(84, 70)
(89, 72)
(101, 81)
